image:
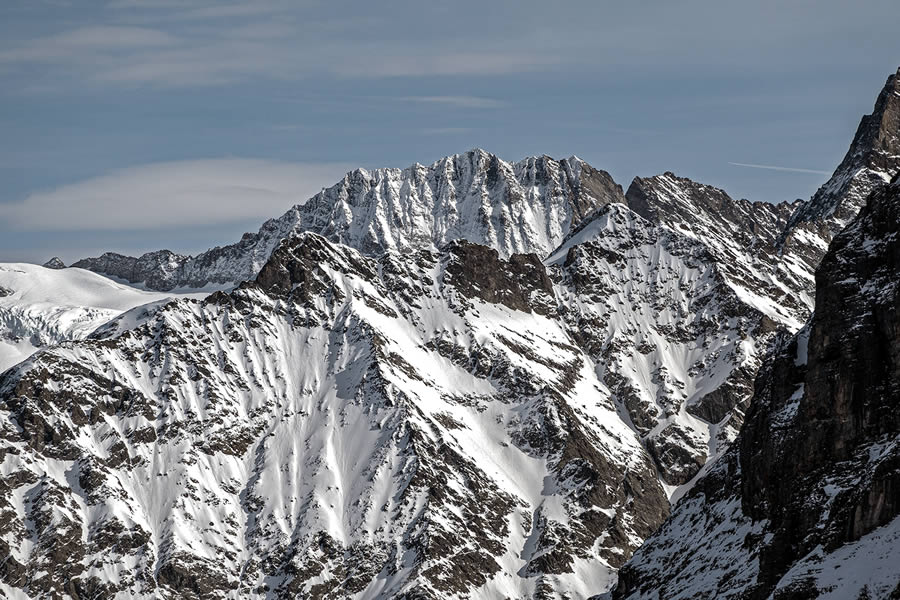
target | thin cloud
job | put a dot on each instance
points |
(414, 62)
(446, 130)
(457, 101)
(288, 127)
(775, 168)
(179, 10)
(211, 44)
(87, 42)
(173, 194)
(306, 39)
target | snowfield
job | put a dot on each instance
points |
(40, 307)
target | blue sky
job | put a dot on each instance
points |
(133, 125)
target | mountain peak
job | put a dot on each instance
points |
(476, 151)
(877, 138)
(668, 199)
(872, 159)
(55, 263)
(742, 235)
(524, 207)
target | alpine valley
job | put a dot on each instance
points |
(472, 379)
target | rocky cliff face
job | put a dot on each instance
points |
(521, 207)
(676, 345)
(806, 503)
(159, 270)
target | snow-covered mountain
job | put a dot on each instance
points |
(41, 306)
(435, 385)
(471, 379)
(407, 426)
(805, 504)
(405, 394)
(528, 206)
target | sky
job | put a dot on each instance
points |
(134, 125)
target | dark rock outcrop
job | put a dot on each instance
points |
(521, 282)
(159, 270)
(850, 402)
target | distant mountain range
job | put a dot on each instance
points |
(479, 379)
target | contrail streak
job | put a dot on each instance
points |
(774, 168)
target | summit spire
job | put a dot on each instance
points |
(873, 159)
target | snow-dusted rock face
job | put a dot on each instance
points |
(418, 425)
(528, 206)
(673, 342)
(805, 504)
(43, 306)
(741, 237)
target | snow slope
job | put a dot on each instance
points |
(41, 306)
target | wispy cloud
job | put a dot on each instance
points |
(445, 130)
(173, 194)
(776, 168)
(86, 43)
(288, 127)
(457, 101)
(181, 10)
(436, 61)
(202, 43)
